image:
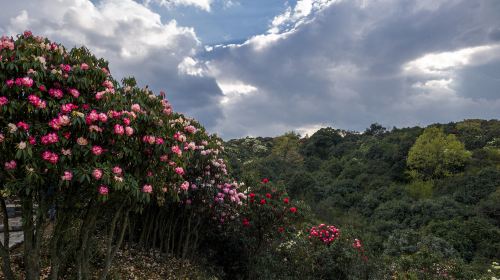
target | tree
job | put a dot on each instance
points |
(436, 155)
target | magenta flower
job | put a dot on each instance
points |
(129, 131)
(10, 165)
(117, 170)
(103, 190)
(119, 130)
(97, 150)
(84, 66)
(68, 176)
(147, 189)
(179, 171)
(50, 157)
(56, 93)
(3, 100)
(177, 150)
(185, 186)
(22, 125)
(97, 174)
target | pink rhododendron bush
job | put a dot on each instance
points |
(96, 151)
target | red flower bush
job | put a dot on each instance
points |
(324, 233)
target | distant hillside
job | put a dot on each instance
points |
(415, 195)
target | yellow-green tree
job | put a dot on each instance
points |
(436, 155)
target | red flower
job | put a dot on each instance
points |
(286, 200)
(268, 195)
(246, 222)
(281, 229)
(262, 201)
(293, 209)
(265, 180)
(252, 195)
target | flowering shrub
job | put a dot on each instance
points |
(324, 233)
(71, 136)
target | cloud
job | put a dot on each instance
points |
(352, 63)
(134, 39)
(201, 4)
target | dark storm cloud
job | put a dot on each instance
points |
(346, 68)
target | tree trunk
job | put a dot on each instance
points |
(111, 250)
(83, 252)
(4, 248)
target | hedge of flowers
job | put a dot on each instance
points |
(72, 137)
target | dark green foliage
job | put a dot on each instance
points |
(445, 219)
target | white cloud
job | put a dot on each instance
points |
(201, 4)
(233, 90)
(190, 66)
(444, 62)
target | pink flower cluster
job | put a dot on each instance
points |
(3, 100)
(56, 93)
(324, 233)
(68, 176)
(10, 165)
(50, 138)
(22, 125)
(150, 139)
(59, 122)
(37, 101)
(230, 192)
(67, 108)
(6, 43)
(50, 157)
(25, 82)
(147, 189)
(190, 129)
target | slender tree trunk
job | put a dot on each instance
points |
(31, 263)
(83, 251)
(111, 250)
(4, 248)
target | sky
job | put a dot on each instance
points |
(265, 67)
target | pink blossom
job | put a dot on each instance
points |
(50, 157)
(3, 100)
(74, 92)
(66, 108)
(84, 66)
(176, 150)
(97, 174)
(97, 150)
(108, 84)
(31, 140)
(26, 82)
(66, 152)
(129, 131)
(103, 190)
(179, 171)
(159, 141)
(22, 125)
(147, 189)
(65, 67)
(50, 138)
(136, 108)
(2, 137)
(99, 95)
(126, 121)
(149, 139)
(190, 129)
(164, 158)
(119, 130)
(10, 165)
(10, 82)
(56, 93)
(103, 117)
(185, 186)
(68, 176)
(117, 170)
